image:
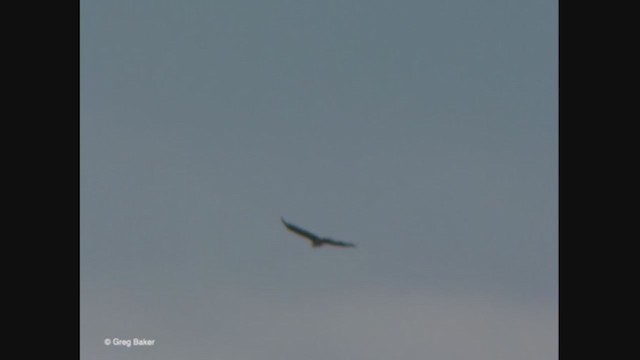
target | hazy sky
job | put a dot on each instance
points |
(423, 131)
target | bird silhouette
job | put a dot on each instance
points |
(316, 241)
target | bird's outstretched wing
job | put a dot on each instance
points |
(301, 232)
(337, 243)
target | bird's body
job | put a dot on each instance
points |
(316, 241)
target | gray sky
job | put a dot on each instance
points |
(423, 131)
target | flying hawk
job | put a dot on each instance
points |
(316, 241)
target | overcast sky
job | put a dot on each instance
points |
(423, 131)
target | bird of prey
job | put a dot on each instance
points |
(316, 241)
